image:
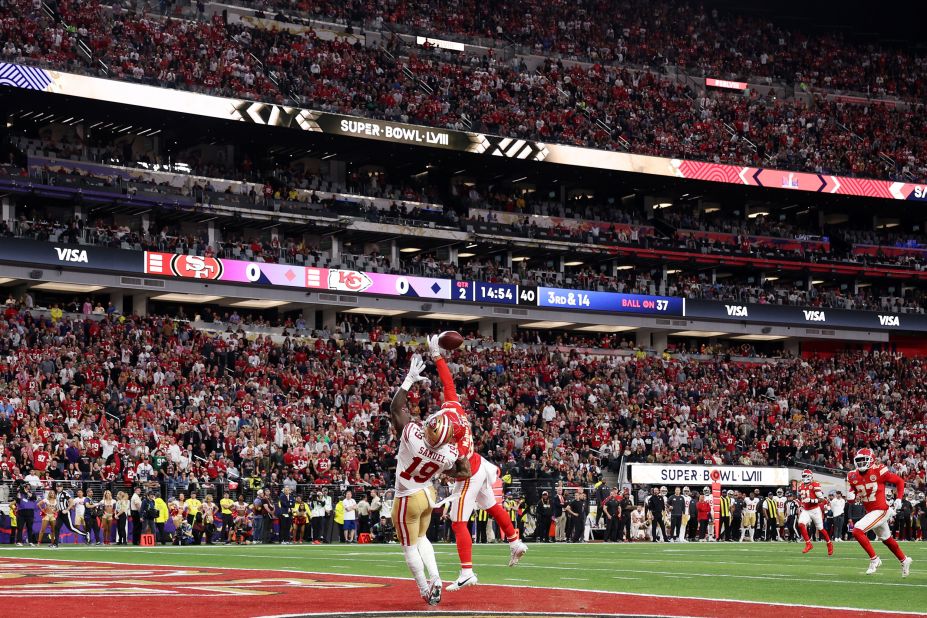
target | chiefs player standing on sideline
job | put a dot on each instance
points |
(812, 510)
(867, 483)
(482, 489)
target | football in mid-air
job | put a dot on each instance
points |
(450, 340)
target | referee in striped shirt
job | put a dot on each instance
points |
(66, 502)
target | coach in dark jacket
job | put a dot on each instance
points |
(26, 514)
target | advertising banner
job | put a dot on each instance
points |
(782, 315)
(727, 476)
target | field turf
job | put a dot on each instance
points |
(765, 572)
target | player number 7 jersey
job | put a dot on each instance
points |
(417, 463)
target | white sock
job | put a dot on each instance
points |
(466, 573)
(414, 560)
(427, 552)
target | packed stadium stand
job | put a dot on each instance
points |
(104, 375)
(83, 387)
(606, 104)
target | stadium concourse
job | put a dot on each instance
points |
(605, 104)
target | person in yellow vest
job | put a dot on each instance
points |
(482, 523)
(724, 530)
(161, 519)
(14, 524)
(192, 507)
(339, 519)
(225, 509)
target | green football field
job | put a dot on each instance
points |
(767, 572)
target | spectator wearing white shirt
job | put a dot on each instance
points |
(837, 507)
(350, 517)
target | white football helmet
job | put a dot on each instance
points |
(706, 491)
(780, 492)
(863, 459)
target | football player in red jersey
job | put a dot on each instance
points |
(483, 489)
(867, 483)
(812, 510)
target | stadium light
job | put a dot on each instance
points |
(545, 324)
(6, 280)
(450, 317)
(186, 298)
(760, 337)
(520, 258)
(574, 263)
(67, 287)
(259, 304)
(409, 250)
(465, 254)
(624, 267)
(698, 333)
(375, 311)
(605, 328)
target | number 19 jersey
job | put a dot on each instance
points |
(417, 463)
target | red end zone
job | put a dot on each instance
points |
(113, 590)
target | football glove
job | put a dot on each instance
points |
(434, 346)
(416, 367)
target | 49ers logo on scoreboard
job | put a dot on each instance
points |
(187, 266)
(196, 267)
(348, 280)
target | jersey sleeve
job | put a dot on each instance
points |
(894, 479)
(447, 380)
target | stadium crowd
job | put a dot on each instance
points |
(602, 105)
(96, 398)
(701, 41)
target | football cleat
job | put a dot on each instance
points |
(830, 548)
(463, 582)
(874, 565)
(906, 566)
(808, 547)
(434, 592)
(518, 550)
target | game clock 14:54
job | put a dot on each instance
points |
(502, 293)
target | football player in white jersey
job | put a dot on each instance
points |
(425, 451)
(748, 521)
(781, 501)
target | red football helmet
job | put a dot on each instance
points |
(439, 430)
(806, 476)
(863, 459)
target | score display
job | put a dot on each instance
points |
(612, 302)
(383, 284)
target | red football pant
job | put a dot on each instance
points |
(505, 522)
(804, 533)
(464, 543)
(863, 540)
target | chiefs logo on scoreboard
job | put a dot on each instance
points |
(186, 266)
(348, 280)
